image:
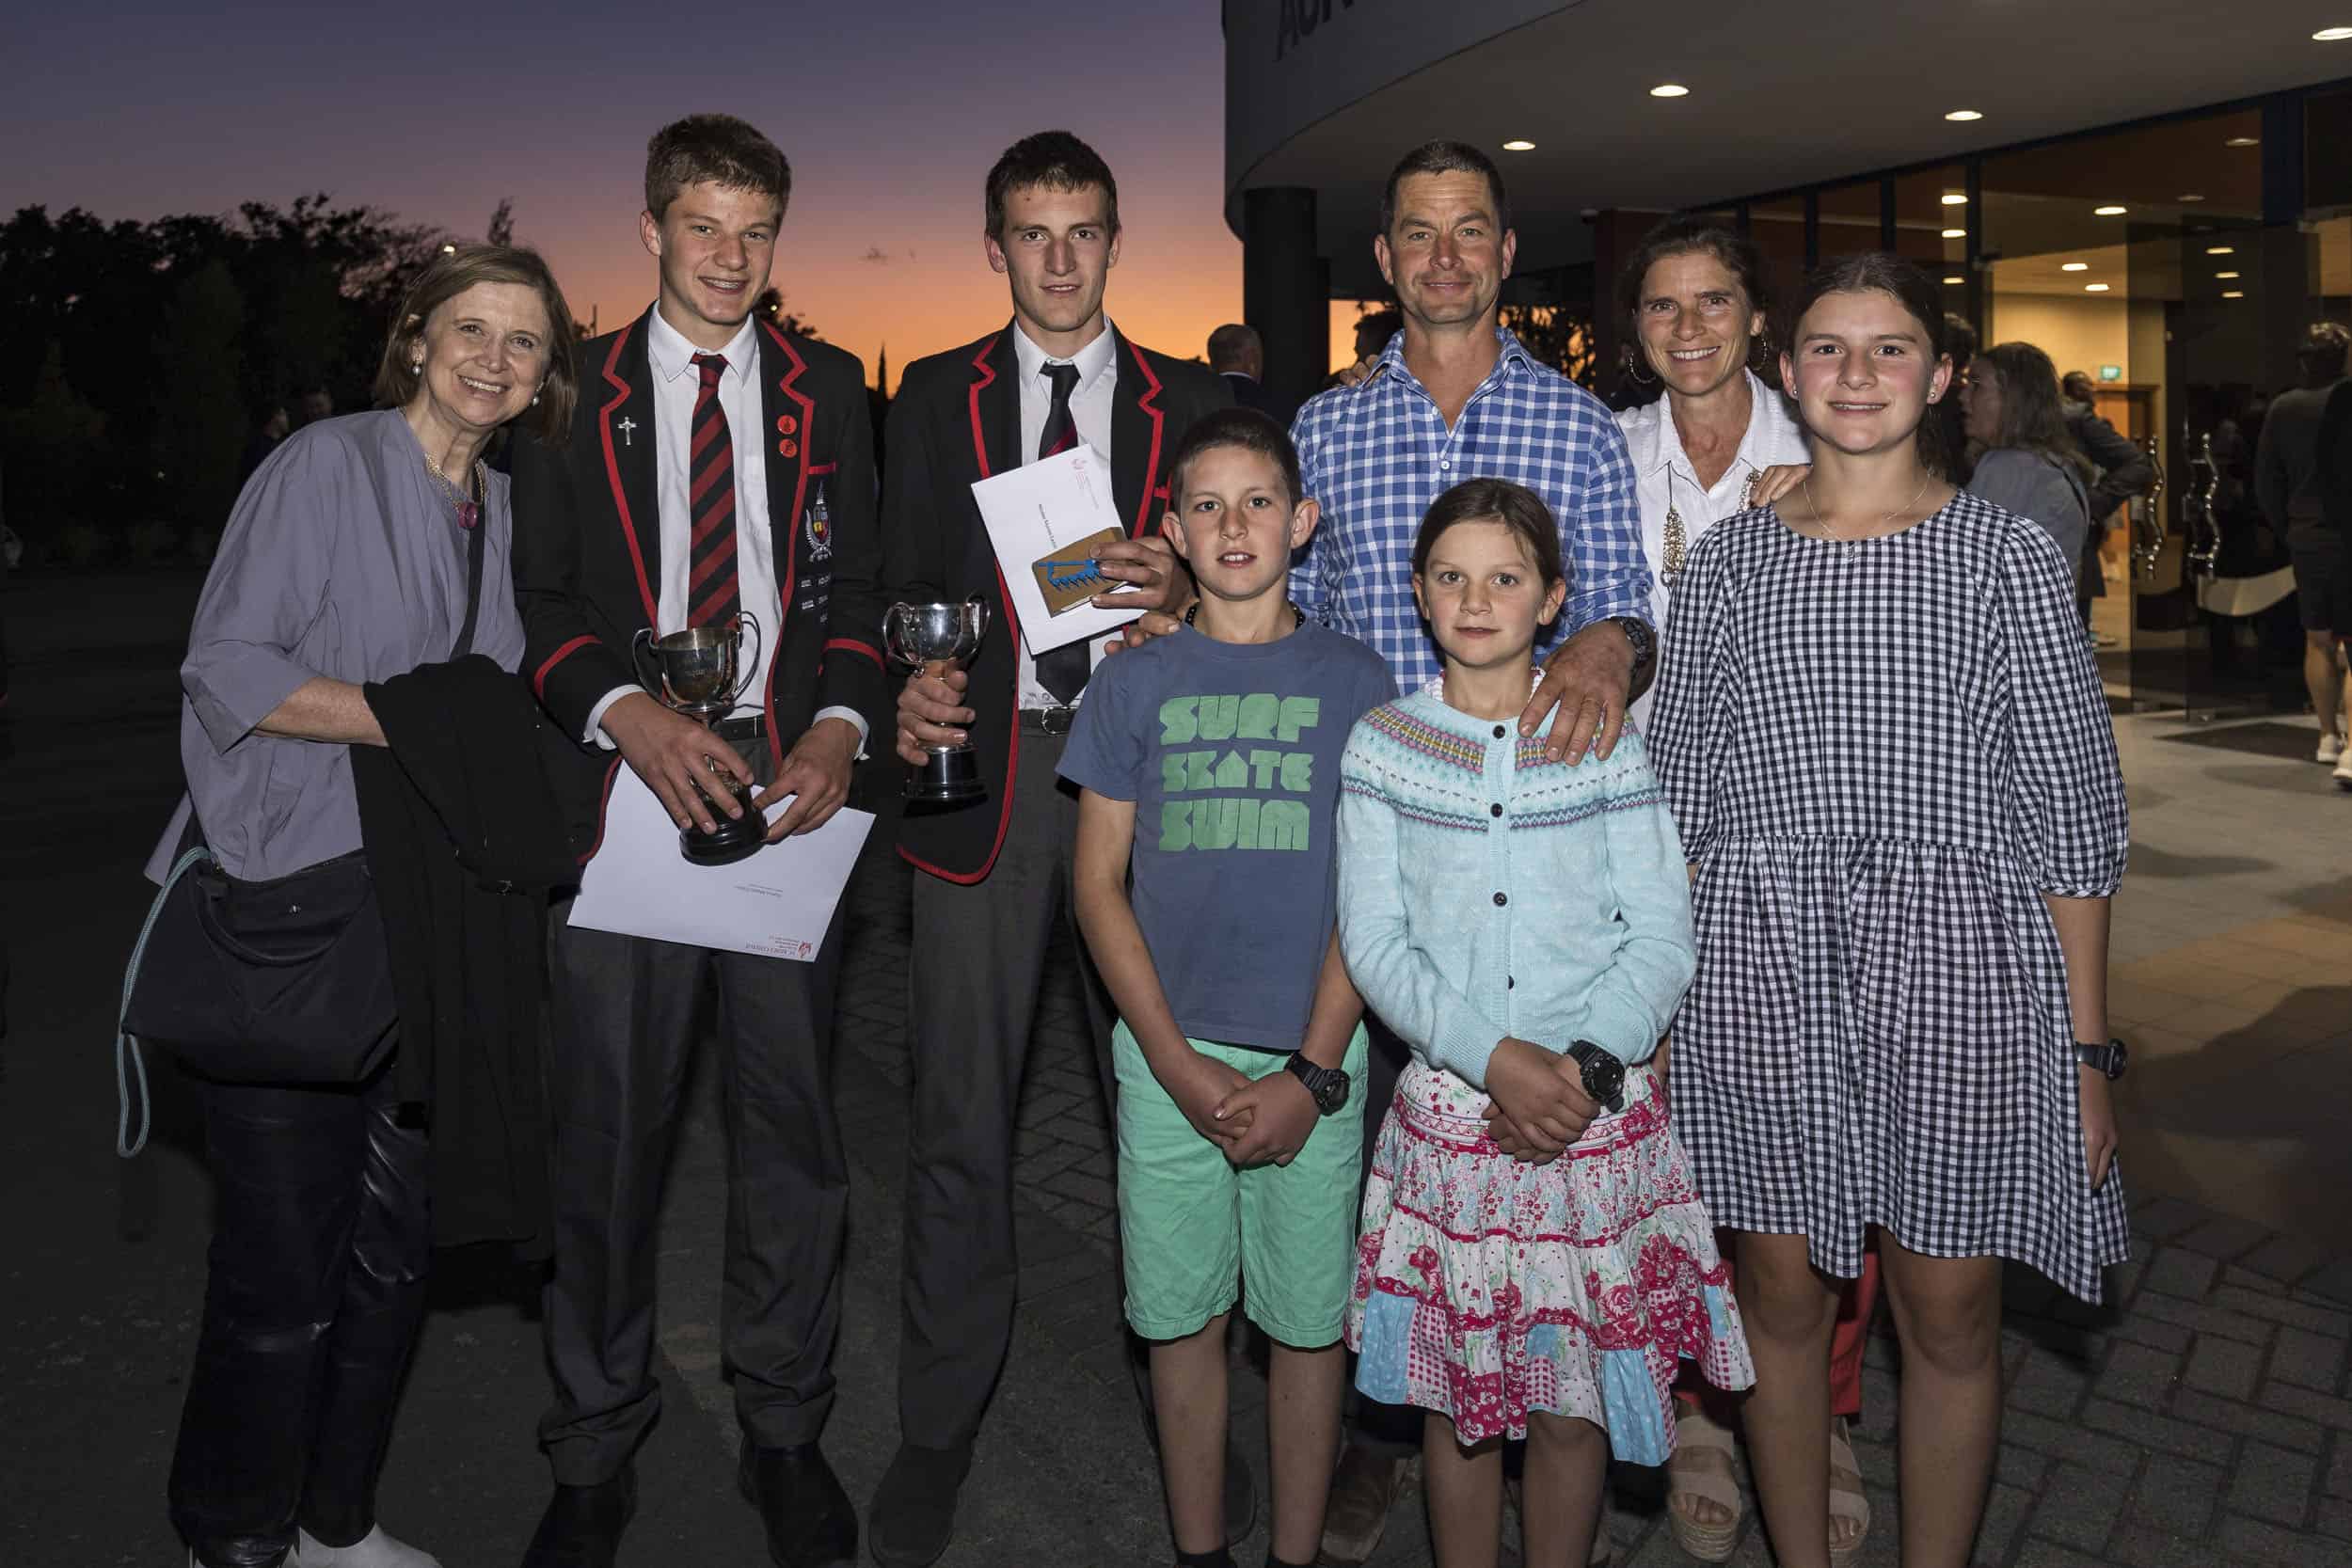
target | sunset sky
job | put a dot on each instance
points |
(891, 112)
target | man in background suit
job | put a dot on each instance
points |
(1238, 353)
(993, 875)
(717, 464)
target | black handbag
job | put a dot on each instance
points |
(283, 981)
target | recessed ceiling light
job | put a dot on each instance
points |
(2225, 275)
(2243, 141)
(2220, 250)
(1955, 233)
(2332, 35)
(1955, 282)
(2109, 211)
(2233, 293)
(1966, 114)
(1518, 146)
(2074, 266)
(2094, 288)
(1669, 89)
(2189, 195)
(1955, 198)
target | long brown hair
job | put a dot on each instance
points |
(2033, 412)
(451, 273)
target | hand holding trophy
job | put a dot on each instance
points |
(933, 638)
(696, 674)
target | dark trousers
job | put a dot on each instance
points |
(624, 1011)
(321, 1238)
(979, 959)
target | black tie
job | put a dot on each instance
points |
(1061, 671)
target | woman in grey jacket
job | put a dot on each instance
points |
(2029, 463)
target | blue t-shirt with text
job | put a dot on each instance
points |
(1231, 753)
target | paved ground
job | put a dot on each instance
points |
(2203, 1415)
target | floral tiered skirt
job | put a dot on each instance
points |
(1486, 1288)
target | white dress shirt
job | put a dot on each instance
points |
(677, 384)
(1663, 478)
(1090, 411)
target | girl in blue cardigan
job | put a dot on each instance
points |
(1534, 1258)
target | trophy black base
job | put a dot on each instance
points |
(947, 776)
(736, 837)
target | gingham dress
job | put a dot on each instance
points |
(1881, 757)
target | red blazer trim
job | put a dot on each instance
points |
(791, 527)
(1151, 464)
(1004, 596)
(851, 644)
(612, 473)
(604, 804)
(539, 676)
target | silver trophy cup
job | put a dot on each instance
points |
(701, 672)
(934, 639)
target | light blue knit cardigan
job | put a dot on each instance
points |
(1486, 892)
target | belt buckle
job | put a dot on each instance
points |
(1056, 719)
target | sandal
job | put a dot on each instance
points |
(1702, 1466)
(1846, 1499)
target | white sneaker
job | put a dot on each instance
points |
(2330, 746)
(2343, 771)
(376, 1550)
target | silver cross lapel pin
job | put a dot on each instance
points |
(626, 426)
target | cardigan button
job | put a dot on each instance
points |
(1495, 810)
(1510, 982)
(1498, 732)
(1500, 899)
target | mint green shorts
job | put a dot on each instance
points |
(1192, 1227)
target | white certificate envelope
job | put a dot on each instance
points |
(1042, 511)
(776, 902)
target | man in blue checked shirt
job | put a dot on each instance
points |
(1456, 396)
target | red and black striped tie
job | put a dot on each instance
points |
(1062, 672)
(712, 592)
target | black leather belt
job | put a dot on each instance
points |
(1047, 721)
(743, 726)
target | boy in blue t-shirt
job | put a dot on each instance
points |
(1209, 764)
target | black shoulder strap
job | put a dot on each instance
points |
(476, 541)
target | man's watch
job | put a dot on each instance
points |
(1637, 631)
(2110, 1059)
(1604, 1076)
(1327, 1085)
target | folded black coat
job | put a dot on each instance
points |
(467, 843)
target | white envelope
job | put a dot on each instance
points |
(776, 902)
(1039, 508)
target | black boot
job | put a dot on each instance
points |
(810, 1522)
(913, 1514)
(582, 1526)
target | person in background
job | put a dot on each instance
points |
(344, 563)
(2026, 461)
(2121, 470)
(1693, 295)
(1238, 353)
(317, 404)
(1373, 333)
(2287, 482)
(273, 427)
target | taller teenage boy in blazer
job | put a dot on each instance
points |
(993, 877)
(716, 462)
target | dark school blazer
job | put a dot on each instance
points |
(956, 420)
(588, 550)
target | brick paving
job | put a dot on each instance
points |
(2201, 1415)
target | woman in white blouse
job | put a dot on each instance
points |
(1696, 296)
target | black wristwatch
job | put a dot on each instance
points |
(2110, 1058)
(1638, 632)
(1604, 1076)
(1329, 1085)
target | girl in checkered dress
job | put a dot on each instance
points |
(1891, 763)
(1534, 1260)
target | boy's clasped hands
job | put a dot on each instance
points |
(1540, 1104)
(1258, 1121)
